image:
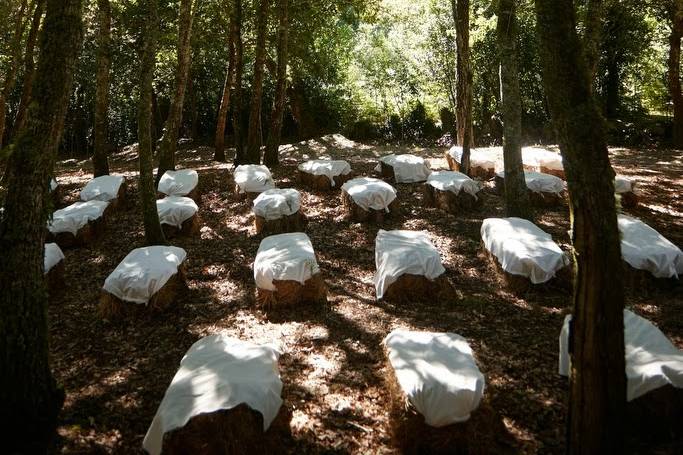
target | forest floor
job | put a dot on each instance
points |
(332, 366)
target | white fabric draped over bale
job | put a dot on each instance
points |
(284, 257)
(277, 203)
(370, 193)
(522, 248)
(539, 157)
(218, 373)
(175, 210)
(401, 252)
(144, 272)
(438, 374)
(407, 168)
(644, 248)
(623, 185)
(53, 256)
(178, 183)
(328, 168)
(103, 188)
(453, 181)
(74, 217)
(652, 361)
(253, 178)
(541, 183)
(53, 184)
(484, 157)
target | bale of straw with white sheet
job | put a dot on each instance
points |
(403, 168)
(625, 189)
(178, 215)
(544, 161)
(452, 192)
(79, 224)
(181, 183)
(53, 267)
(324, 175)
(278, 211)
(106, 188)
(252, 180)
(544, 190)
(484, 162)
(369, 199)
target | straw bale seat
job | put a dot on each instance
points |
(79, 224)
(278, 211)
(324, 175)
(181, 183)
(369, 199)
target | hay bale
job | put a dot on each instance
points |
(55, 278)
(475, 171)
(656, 417)
(556, 172)
(536, 198)
(643, 283)
(291, 293)
(245, 196)
(520, 285)
(85, 236)
(189, 228)
(120, 201)
(483, 433)
(322, 182)
(111, 307)
(238, 431)
(358, 214)
(195, 195)
(387, 171)
(295, 222)
(410, 288)
(629, 200)
(449, 201)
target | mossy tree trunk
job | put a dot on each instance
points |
(223, 110)
(516, 194)
(154, 235)
(236, 32)
(675, 13)
(271, 156)
(101, 143)
(255, 137)
(461, 14)
(29, 394)
(593, 24)
(169, 140)
(597, 395)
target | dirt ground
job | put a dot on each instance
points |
(115, 374)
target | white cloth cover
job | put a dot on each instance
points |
(370, 193)
(541, 183)
(178, 183)
(522, 248)
(253, 178)
(175, 210)
(623, 185)
(53, 184)
(454, 182)
(643, 248)
(540, 157)
(329, 168)
(75, 216)
(401, 252)
(485, 157)
(144, 272)
(652, 361)
(276, 203)
(438, 374)
(218, 373)
(103, 188)
(284, 257)
(53, 256)
(407, 168)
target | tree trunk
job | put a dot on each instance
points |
(674, 71)
(597, 395)
(169, 140)
(29, 69)
(29, 394)
(612, 88)
(15, 57)
(255, 135)
(154, 235)
(236, 32)
(516, 193)
(461, 14)
(271, 157)
(99, 158)
(591, 36)
(222, 118)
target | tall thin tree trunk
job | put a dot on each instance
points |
(222, 118)
(154, 235)
(461, 14)
(516, 193)
(674, 70)
(271, 156)
(30, 397)
(236, 31)
(597, 395)
(29, 69)
(591, 36)
(99, 158)
(255, 134)
(169, 140)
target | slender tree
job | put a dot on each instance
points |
(271, 156)
(222, 117)
(154, 235)
(255, 137)
(169, 140)
(597, 394)
(99, 160)
(236, 32)
(675, 14)
(461, 14)
(516, 193)
(593, 24)
(29, 394)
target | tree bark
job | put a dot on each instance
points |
(99, 158)
(154, 235)
(271, 156)
(591, 36)
(254, 136)
(169, 140)
(29, 394)
(236, 32)
(29, 69)
(222, 118)
(674, 70)
(516, 193)
(461, 14)
(597, 394)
